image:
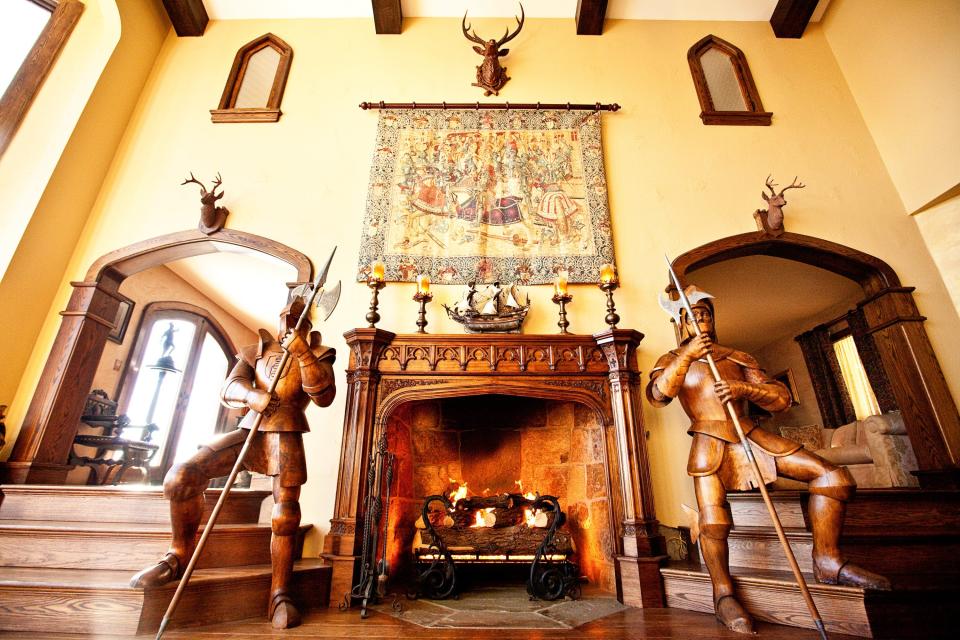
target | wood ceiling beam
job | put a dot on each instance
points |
(189, 17)
(590, 15)
(387, 16)
(790, 17)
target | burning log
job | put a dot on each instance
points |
(515, 540)
(504, 510)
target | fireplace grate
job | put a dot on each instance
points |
(495, 530)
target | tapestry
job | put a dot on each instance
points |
(490, 195)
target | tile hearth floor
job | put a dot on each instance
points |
(503, 608)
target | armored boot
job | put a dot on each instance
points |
(828, 504)
(183, 486)
(715, 524)
(285, 521)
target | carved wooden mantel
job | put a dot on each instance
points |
(600, 371)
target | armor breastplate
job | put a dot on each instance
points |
(288, 415)
(700, 401)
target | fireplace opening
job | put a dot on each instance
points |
(490, 446)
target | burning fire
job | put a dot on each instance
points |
(528, 515)
(460, 493)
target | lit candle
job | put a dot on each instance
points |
(378, 271)
(561, 284)
(423, 283)
(608, 273)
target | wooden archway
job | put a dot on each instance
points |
(43, 446)
(929, 411)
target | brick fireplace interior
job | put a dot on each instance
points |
(490, 442)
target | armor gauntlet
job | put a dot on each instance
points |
(668, 384)
(238, 390)
(316, 376)
(771, 396)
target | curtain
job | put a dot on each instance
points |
(872, 362)
(826, 377)
(855, 379)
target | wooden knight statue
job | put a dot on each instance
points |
(718, 463)
(276, 450)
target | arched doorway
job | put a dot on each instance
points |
(43, 447)
(892, 319)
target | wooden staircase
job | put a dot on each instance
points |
(912, 536)
(67, 554)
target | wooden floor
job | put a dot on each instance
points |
(632, 624)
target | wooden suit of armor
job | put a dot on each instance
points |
(276, 450)
(718, 463)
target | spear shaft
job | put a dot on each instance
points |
(254, 428)
(757, 475)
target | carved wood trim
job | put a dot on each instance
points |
(754, 115)
(270, 112)
(53, 415)
(26, 84)
(916, 379)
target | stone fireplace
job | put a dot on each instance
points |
(558, 413)
(495, 444)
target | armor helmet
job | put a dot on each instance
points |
(675, 308)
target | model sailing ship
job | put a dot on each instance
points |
(498, 309)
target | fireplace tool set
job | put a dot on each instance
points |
(374, 572)
(552, 575)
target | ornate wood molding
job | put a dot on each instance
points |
(387, 370)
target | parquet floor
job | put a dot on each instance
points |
(632, 624)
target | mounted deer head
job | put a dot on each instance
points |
(212, 217)
(770, 221)
(490, 75)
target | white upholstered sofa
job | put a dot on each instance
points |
(876, 450)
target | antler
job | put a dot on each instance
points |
(507, 36)
(203, 189)
(472, 37)
(217, 181)
(771, 185)
(793, 185)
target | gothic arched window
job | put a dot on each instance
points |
(255, 85)
(724, 84)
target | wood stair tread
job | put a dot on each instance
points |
(83, 579)
(761, 576)
(110, 527)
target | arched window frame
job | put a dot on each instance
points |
(227, 111)
(755, 115)
(206, 324)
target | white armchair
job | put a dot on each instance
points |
(876, 450)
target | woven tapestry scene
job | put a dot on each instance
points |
(466, 195)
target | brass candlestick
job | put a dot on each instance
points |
(372, 316)
(562, 300)
(423, 298)
(612, 317)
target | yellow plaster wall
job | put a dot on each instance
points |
(902, 63)
(63, 151)
(673, 183)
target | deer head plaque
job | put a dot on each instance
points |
(212, 217)
(491, 76)
(770, 221)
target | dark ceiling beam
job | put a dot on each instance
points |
(590, 15)
(189, 18)
(387, 16)
(791, 17)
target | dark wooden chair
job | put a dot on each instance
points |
(100, 412)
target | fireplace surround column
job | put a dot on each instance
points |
(342, 546)
(641, 548)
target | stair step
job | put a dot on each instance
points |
(774, 596)
(125, 546)
(129, 503)
(101, 602)
(872, 512)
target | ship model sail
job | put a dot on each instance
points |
(496, 310)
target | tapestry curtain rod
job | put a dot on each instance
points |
(490, 105)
